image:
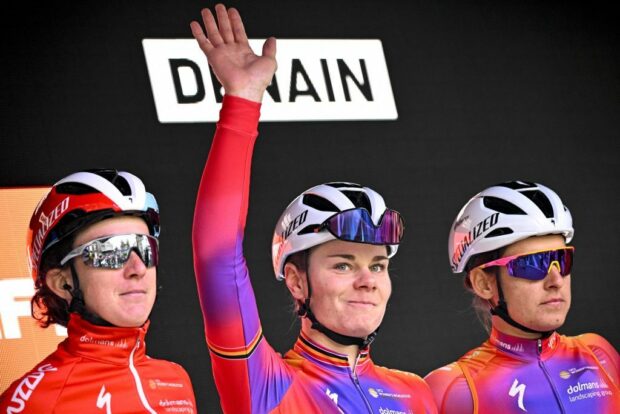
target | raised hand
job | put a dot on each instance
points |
(240, 71)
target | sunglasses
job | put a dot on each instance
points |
(536, 265)
(112, 252)
(356, 225)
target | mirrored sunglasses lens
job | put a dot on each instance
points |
(113, 253)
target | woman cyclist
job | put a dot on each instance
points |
(331, 246)
(93, 249)
(511, 242)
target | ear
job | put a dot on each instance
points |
(484, 284)
(57, 279)
(295, 281)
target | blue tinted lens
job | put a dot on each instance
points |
(356, 225)
(535, 266)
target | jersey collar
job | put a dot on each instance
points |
(522, 347)
(326, 357)
(113, 345)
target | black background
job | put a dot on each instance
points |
(486, 91)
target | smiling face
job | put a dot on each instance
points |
(541, 305)
(124, 297)
(350, 286)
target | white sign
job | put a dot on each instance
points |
(316, 80)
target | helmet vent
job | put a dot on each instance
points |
(501, 205)
(517, 185)
(74, 189)
(319, 203)
(308, 229)
(112, 176)
(541, 200)
(343, 184)
(499, 232)
(359, 199)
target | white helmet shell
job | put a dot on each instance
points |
(504, 214)
(295, 229)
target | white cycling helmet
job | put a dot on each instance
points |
(504, 214)
(299, 227)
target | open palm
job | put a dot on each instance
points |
(240, 71)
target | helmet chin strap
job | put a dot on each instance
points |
(305, 311)
(77, 303)
(501, 310)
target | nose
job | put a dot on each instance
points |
(554, 277)
(365, 279)
(134, 267)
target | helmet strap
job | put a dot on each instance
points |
(305, 311)
(77, 304)
(501, 310)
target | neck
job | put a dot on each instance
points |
(351, 351)
(505, 328)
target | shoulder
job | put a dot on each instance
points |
(604, 352)
(443, 380)
(450, 389)
(408, 382)
(38, 389)
(168, 367)
(595, 341)
(398, 374)
(601, 348)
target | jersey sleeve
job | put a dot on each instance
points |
(605, 353)
(249, 375)
(450, 390)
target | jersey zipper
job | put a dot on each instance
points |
(136, 378)
(544, 369)
(354, 378)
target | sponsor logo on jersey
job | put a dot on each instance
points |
(566, 374)
(121, 343)
(332, 396)
(390, 411)
(177, 406)
(26, 387)
(582, 386)
(104, 400)
(378, 392)
(156, 383)
(586, 390)
(518, 390)
(518, 347)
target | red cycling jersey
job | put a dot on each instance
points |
(512, 375)
(250, 376)
(101, 369)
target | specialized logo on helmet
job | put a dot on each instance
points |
(472, 235)
(290, 226)
(47, 222)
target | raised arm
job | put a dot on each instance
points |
(249, 375)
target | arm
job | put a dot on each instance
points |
(245, 368)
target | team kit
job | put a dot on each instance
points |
(93, 250)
